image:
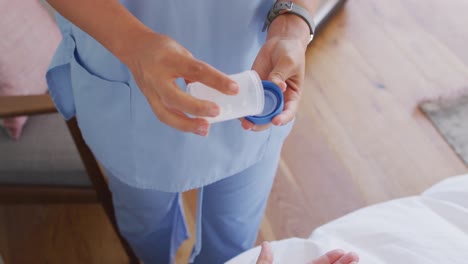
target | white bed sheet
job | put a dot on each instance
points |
(429, 229)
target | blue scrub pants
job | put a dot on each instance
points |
(228, 215)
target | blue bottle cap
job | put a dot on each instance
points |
(274, 102)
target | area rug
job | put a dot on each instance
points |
(450, 116)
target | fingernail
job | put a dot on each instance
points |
(340, 251)
(233, 87)
(355, 255)
(202, 130)
(213, 112)
(276, 80)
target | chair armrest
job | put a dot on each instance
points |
(11, 106)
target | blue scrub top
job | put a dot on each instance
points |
(87, 81)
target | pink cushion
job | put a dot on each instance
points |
(29, 39)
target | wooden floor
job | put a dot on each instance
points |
(359, 138)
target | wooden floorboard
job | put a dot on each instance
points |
(190, 208)
(60, 234)
(359, 137)
(4, 247)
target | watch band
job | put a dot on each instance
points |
(280, 8)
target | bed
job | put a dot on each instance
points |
(430, 228)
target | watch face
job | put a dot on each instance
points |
(283, 7)
(280, 8)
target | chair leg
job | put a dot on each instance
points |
(100, 185)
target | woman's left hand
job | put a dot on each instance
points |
(282, 61)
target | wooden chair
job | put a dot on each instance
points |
(73, 183)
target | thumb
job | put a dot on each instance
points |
(281, 72)
(266, 254)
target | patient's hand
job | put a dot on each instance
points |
(336, 256)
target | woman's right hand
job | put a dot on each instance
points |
(156, 61)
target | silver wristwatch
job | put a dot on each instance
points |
(281, 8)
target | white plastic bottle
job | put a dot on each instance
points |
(249, 100)
(257, 100)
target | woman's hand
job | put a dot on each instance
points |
(156, 61)
(282, 61)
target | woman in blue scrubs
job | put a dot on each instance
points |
(121, 69)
